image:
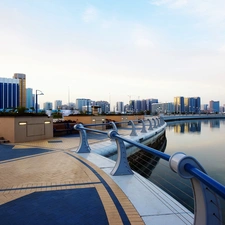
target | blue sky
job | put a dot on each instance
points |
(108, 50)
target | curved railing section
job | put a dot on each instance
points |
(207, 210)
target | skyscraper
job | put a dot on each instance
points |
(214, 106)
(22, 88)
(179, 104)
(47, 106)
(58, 104)
(29, 98)
(120, 107)
(9, 93)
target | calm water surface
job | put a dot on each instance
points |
(202, 139)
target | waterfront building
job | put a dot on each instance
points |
(104, 106)
(131, 105)
(137, 106)
(167, 107)
(120, 107)
(22, 88)
(194, 105)
(191, 105)
(80, 102)
(214, 106)
(58, 104)
(72, 105)
(29, 98)
(187, 104)
(197, 104)
(179, 104)
(144, 105)
(9, 93)
(204, 108)
(149, 103)
(127, 108)
(47, 106)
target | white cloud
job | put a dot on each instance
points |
(90, 14)
(222, 48)
(142, 37)
(212, 10)
(170, 3)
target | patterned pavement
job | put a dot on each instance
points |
(43, 182)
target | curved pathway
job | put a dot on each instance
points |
(54, 186)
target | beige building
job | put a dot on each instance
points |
(22, 88)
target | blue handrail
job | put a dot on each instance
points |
(206, 179)
(144, 147)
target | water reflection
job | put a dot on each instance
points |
(193, 126)
(215, 124)
(186, 127)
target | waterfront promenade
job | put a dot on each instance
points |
(47, 182)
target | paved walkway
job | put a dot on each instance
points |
(44, 182)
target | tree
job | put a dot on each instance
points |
(32, 108)
(21, 109)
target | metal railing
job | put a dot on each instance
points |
(207, 210)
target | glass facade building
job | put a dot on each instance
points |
(9, 93)
(29, 98)
(120, 107)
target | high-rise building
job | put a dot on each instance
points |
(187, 104)
(29, 98)
(179, 104)
(47, 106)
(191, 105)
(167, 107)
(104, 106)
(214, 106)
(137, 106)
(120, 107)
(131, 105)
(22, 88)
(149, 103)
(80, 102)
(9, 93)
(143, 105)
(58, 104)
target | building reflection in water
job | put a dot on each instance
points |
(189, 127)
(214, 124)
(193, 126)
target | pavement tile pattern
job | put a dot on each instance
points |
(43, 182)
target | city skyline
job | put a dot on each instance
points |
(115, 51)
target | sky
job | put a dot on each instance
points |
(115, 50)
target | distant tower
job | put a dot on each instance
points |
(29, 98)
(58, 104)
(22, 88)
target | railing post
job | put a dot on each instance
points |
(154, 123)
(143, 130)
(133, 132)
(114, 126)
(206, 210)
(83, 146)
(150, 124)
(122, 166)
(161, 120)
(157, 119)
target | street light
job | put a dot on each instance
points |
(41, 93)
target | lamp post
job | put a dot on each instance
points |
(41, 93)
